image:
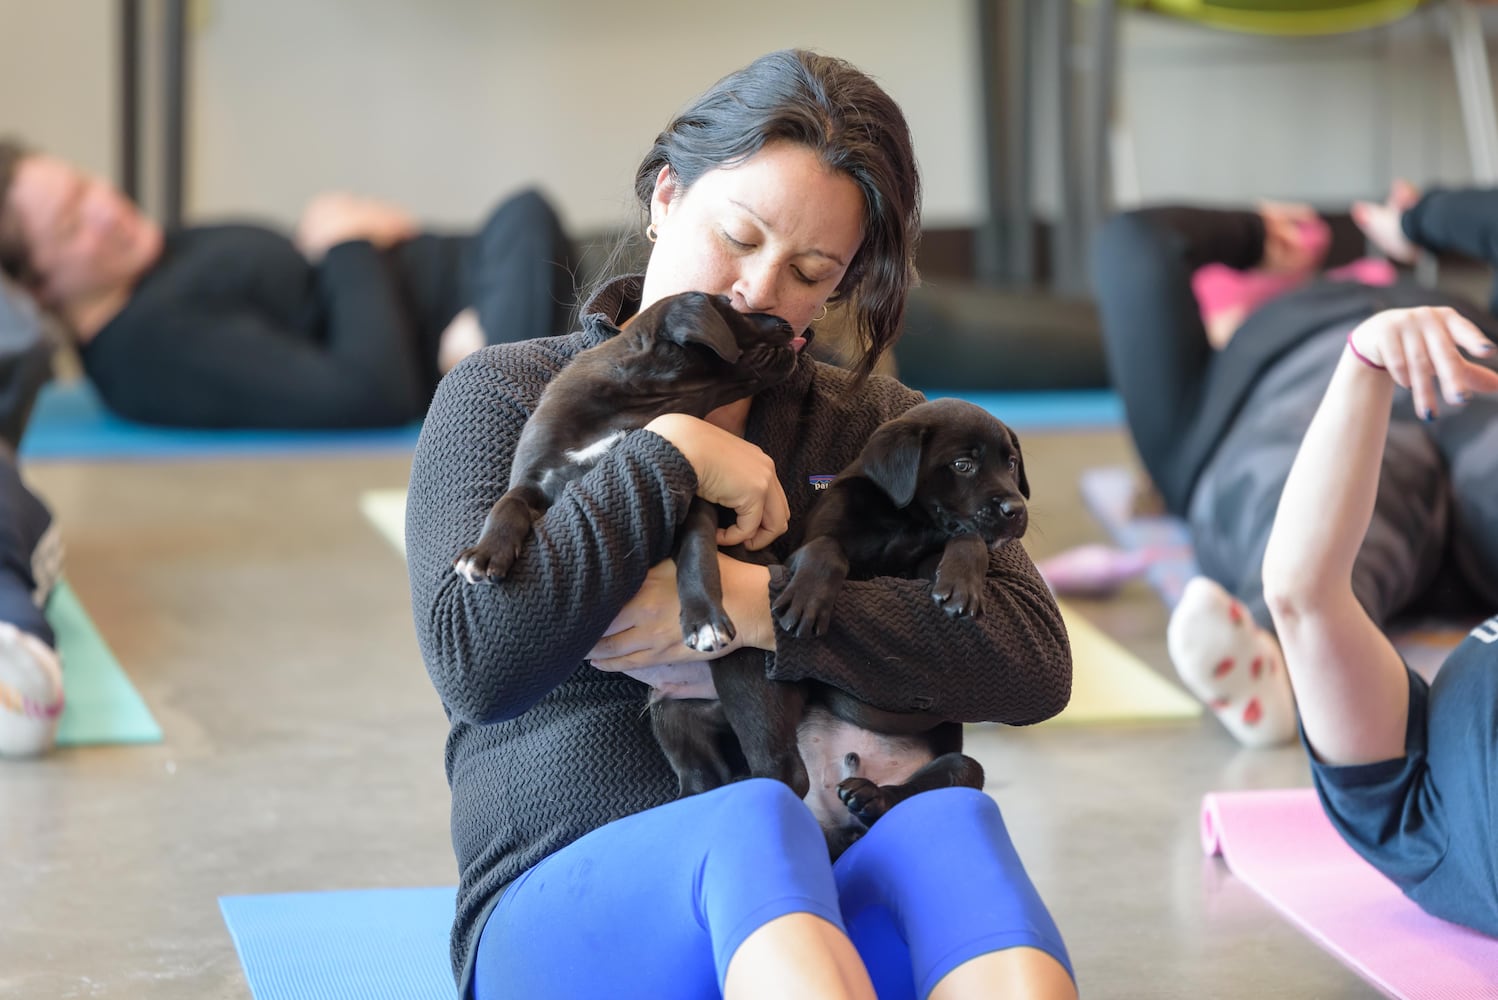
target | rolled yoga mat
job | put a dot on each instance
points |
(1281, 845)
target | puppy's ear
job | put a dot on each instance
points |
(892, 460)
(1024, 481)
(694, 319)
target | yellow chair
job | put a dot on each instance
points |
(1285, 17)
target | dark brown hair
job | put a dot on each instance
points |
(15, 259)
(854, 127)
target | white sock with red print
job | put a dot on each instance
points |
(1232, 665)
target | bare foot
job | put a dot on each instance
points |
(1382, 223)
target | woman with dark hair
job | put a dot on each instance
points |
(348, 324)
(788, 184)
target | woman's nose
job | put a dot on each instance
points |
(755, 288)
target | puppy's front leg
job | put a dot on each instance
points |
(958, 585)
(705, 626)
(817, 570)
(505, 531)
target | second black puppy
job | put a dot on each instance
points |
(689, 353)
(932, 492)
(930, 495)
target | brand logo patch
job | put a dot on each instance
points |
(820, 482)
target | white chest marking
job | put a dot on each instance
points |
(591, 453)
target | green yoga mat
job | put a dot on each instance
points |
(102, 705)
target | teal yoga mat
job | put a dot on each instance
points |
(361, 944)
(102, 705)
(70, 422)
(1041, 410)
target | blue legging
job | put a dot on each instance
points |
(654, 905)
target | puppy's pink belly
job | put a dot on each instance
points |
(825, 742)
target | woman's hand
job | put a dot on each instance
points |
(1383, 224)
(337, 217)
(1419, 347)
(731, 472)
(647, 630)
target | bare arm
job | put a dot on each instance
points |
(1350, 683)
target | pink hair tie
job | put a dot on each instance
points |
(1359, 355)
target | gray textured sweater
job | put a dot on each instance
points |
(543, 748)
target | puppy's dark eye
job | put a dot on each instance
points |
(1013, 463)
(964, 466)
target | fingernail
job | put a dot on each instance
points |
(1428, 416)
(1487, 347)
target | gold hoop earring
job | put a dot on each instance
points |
(651, 232)
(821, 315)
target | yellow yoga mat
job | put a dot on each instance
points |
(1109, 683)
(386, 510)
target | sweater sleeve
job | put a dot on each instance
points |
(892, 646)
(494, 650)
(1463, 221)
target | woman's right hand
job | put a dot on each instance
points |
(1419, 347)
(731, 472)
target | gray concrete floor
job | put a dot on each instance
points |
(268, 627)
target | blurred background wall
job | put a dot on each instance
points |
(443, 105)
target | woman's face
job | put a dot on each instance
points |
(83, 236)
(774, 233)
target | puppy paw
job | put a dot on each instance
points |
(486, 563)
(706, 631)
(864, 799)
(803, 609)
(957, 598)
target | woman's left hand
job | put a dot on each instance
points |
(1419, 347)
(647, 630)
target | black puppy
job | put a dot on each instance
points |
(931, 493)
(689, 353)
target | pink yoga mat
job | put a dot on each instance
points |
(1282, 845)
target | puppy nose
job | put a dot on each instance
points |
(1011, 507)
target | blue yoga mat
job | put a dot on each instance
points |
(362, 944)
(102, 705)
(1042, 410)
(70, 422)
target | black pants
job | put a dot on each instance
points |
(1436, 516)
(25, 365)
